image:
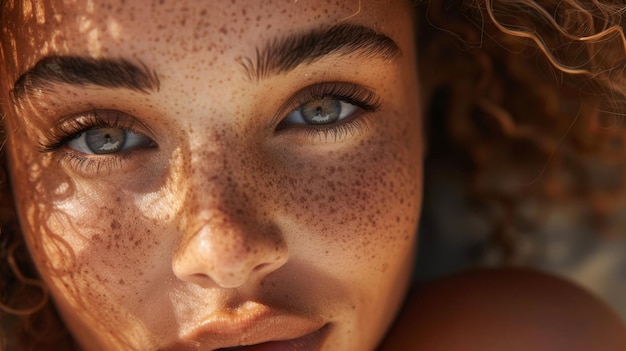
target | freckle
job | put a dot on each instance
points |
(121, 282)
(115, 225)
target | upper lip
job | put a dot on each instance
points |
(253, 325)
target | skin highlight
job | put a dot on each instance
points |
(224, 216)
(229, 215)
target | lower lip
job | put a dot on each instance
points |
(309, 342)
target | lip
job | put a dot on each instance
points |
(257, 328)
(309, 342)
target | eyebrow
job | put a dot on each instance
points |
(283, 55)
(276, 57)
(84, 71)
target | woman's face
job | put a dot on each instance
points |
(196, 175)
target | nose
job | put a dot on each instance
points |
(228, 251)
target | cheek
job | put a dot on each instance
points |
(358, 205)
(94, 248)
(353, 216)
(104, 265)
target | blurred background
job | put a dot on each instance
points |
(525, 162)
(453, 237)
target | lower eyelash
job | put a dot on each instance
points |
(365, 99)
(92, 164)
(54, 144)
(353, 126)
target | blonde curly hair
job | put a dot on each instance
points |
(527, 98)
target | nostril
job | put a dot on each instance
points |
(226, 257)
(199, 276)
(200, 279)
(260, 267)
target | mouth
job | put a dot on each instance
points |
(254, 328)
(309, 342)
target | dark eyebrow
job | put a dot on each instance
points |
(285, 54)
(83, 71)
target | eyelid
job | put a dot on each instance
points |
(54, 144)
(68, 127)
(356, 94)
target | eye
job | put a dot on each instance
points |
(321, 111)
(107, 141)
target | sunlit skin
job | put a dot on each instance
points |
(505, 309)
(221, 215)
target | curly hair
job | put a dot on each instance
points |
(528, 98)
(525, 97)
(28, 319)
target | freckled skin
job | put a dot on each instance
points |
(225, 210)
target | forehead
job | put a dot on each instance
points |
(101, 28)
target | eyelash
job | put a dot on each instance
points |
(71, 128)
(359, 96)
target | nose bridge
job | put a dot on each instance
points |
(211, 163)
(223, 239)
(216, 197)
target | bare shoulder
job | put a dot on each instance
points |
(506, 309)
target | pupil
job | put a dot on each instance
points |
(323, 111)
(105, 140)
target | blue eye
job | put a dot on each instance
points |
(321, 112)
(103, 141)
